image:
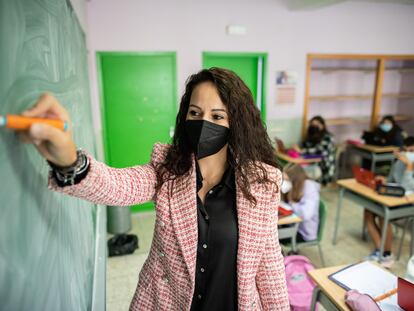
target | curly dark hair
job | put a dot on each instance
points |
(249, 144)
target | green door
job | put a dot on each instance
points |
(250, 67)
(139, 106)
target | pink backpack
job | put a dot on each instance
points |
(299, 284)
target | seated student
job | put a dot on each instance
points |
(387, 133)
(401, 173)
(302, 195)
(319, 141)
(402, 170)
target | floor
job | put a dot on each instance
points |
(122, 272)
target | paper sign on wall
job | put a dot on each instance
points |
(286, 87)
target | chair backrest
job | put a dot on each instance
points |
(322, 219)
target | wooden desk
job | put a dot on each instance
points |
(377, 149)
(353, 185)
(326, 292)
(289, 220)
(385, 206)
(290, 228)
(374, 153)
(286, 158)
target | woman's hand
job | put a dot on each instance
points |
(55, 145)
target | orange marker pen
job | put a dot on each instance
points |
(23, 123)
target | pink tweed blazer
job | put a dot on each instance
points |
(166, 281)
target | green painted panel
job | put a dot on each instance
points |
(47, 240)
(139, 92)
(245, 65)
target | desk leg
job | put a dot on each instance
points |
(338, 214)
(293, 240)
(384, 231)
(412, 236)
(373, 161)
(315, 297)
(318, 296)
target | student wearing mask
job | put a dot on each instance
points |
(402, 170)
(216, 193)
(319, 141)
(401, 173)
(302, 195)
(388, 133)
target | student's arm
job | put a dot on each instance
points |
(309, 148)
(270, 276)
(407, 181)
(309, 203)
(406, 170)
(324, 148)
(113, 186)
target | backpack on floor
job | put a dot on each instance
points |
(299, 284)
(122, 244)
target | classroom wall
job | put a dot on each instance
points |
(191, 27)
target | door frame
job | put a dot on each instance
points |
(262, 55)
(99, 55)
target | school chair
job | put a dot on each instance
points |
(317, 241)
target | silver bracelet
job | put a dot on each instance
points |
(67, 175)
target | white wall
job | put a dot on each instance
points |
(190, 27)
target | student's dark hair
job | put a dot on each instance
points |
(316, 138)
(393, 132)
(321, 120)
(409, 141)
(389, 118)
(248, 145)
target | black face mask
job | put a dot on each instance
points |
(206, 138)
(313, 130)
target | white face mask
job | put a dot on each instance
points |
(410, 155)
(286, 186)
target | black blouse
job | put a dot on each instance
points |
(216, 266)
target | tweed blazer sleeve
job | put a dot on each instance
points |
(270, 278)
(116, 186)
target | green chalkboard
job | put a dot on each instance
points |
(47, 240)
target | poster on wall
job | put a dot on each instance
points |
(286, 87)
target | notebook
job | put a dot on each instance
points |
(370, 279)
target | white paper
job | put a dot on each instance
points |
(370, 279)
(285, 205)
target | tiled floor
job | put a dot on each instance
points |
(122, 272)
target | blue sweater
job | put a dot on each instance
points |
(400, 175)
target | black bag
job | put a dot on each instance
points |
(122, 244)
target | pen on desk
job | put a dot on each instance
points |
(386, 295)
(23, 123)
